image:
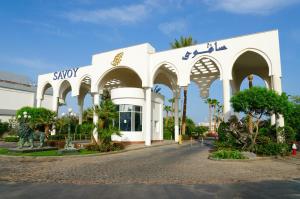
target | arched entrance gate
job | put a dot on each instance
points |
(134, 71)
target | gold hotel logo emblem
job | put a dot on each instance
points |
(117, 59)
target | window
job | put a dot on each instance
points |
(130, 117)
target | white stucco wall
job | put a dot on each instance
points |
(144, 61)
(47, 102)
(15, 99)
(5, 118)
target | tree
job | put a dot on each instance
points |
(40, 117)
(219, 115)
(259, 102)
(172, 101)
(183, 42)
(167, 109)
(88, 115)
(200, 130)
(295, 99)
(212, 104)
(292, 115)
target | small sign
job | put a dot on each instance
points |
(117, 59)
(65, 74)
(210, 48)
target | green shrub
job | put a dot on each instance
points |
(272, 148)
(168, 135)
(4, 127)
(227, 154)
(57, 137)
(11, 139)
(228, 145)
(105, 147)
(290, 135)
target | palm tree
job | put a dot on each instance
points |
(209, 102)
(250, 119)
(167, 109)
(214, 104)
(183, 42)
(219, 116)
(172, 101)
(88, 114)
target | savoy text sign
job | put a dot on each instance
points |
(64, 74)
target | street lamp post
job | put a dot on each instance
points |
(69, 145)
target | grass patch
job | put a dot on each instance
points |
(227, 154)
(4, 151)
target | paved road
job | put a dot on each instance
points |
(265, 189)
(171, 164)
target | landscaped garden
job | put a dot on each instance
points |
(254, 132)
(33, 126)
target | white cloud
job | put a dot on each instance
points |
(31, 63)
(124, 14)
(44, 27)
(169, 28)
(260, 7)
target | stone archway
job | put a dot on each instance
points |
(119, 77)
(166, 74)
(249, 63)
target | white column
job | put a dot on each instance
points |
(161, 122)
(273, 119)
(80, 108)
(226, 99)
(176, 115)
(38, 103)
(148, 116)
(277, 87)
(95, 116)
(55, 104)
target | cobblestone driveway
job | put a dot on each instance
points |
(171, 164)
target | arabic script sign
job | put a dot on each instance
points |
(210, 49)
(117, 59)
(65, 74)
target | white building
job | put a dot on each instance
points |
(134, 70)
(17, 91)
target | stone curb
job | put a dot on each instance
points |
(95, 154)
(245, 160)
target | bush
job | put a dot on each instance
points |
(272, 148)
(4, 127)
(227, 154)
(290, 135)
(228, 145)
(105, 147)
(57, 137)
(11, 139)
(168, 135)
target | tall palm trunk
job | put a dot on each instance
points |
(214, 119)
(209, 108)
(183, 126)
(47, 129)
(250, 119)
(167, 118)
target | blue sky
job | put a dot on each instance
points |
(39, 36)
